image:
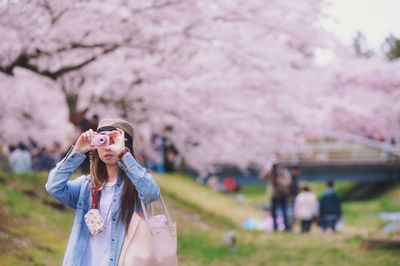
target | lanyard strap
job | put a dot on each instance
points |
(95, 194)
(95, 197)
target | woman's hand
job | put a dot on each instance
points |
(82, 145)
(118, 140)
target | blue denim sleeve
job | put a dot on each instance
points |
(146, 187)
(58, 183)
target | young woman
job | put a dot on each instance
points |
(115, 187)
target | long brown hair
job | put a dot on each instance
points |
(128, 197)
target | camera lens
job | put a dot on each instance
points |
(102, 139)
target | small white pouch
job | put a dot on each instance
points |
(94, 221)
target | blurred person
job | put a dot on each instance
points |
(158, 145)
(294, 187)
(11, 148)
(113, 190)
(4, 166)
(20, 159)
(279, 190)
(330, 210)
(33, 148)
(94, 122)
(56, 152)
(84, 123)
(265, 171)
(305, 208)
(43, 160)
(214, 183)
(294, 190)
(144, 156)
(231, 185)
(170, 155)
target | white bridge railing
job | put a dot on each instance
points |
(346, 148)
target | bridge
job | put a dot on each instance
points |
(338, 157)
(348, 158)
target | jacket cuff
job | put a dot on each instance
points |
(74, 160)
(129, 163)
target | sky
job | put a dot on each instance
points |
(376, 19)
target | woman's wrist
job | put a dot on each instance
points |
(123, 152)
(76, 150)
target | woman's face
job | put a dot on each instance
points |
(106, 154)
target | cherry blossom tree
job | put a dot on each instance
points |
(32, 109)
(226, 81)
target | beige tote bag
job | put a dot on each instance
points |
(151, 241)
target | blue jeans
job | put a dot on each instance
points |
(280, 202)
(329, 221)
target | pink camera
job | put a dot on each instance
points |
(100, 140)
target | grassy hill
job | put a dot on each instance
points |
(34, 228)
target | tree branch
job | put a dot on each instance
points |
(24, 61)
(67, 69)
(54, 17)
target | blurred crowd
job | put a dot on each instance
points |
(161, 157)
(293, 202)
(23, 159)
(164, 157)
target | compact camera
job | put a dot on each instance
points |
(100, 140)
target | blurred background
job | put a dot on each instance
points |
(272, 127)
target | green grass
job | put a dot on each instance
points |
(200, 198)
(361, 220)
(33, 233)
(365, 214)
(207, 244)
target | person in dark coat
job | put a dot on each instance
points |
(330, 208)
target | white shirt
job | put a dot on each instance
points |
(20, 161)
(305, 205)
(98, 248)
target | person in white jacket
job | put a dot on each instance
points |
(305, 208)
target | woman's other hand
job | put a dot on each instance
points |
(118, 141)
(82, 145)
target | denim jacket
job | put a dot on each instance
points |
(77, 195)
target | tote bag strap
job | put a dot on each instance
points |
(146, 216)
(129, 236)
